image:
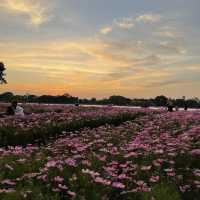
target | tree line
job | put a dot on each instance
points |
(112, 100)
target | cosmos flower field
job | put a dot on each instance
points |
(107, 154)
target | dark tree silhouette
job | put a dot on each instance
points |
(161, 100)
(2, 74)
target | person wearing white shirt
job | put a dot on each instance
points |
(15, 109)
(19, 111)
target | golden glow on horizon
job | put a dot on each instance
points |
(82, 65)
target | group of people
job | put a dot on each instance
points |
(170, 106)
(13, 110)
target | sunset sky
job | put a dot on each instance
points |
(97, 48)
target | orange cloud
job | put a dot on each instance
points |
(33, 9)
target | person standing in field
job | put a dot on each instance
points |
(170, 105)
(15, 109)
(185, 103)
(185, 106)
(11, 109)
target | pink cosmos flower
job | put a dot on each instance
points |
(102, 181)
(184, 188)
(140, 183)
(131, 154)
(154, 179)
(72, 194)
(58, 179)
(197, 172)
(86, 162)
(172, 174)
(118, 185)
(8, 182)
(71, 162)
(51, 164)
(63, 187)
(90, 172)
(195, 152)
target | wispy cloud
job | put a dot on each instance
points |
(106, 30)
(130, 22)
(34, 10)
(148, 18)
(92, 55)
(121, 23)
(172, 47)
(125, 23)
(168, 32)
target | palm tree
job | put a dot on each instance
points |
(2, 69)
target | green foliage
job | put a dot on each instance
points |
(165, 191)
(2, 69)
(15, 136)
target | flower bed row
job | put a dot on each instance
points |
(154, 157)
(39, 128)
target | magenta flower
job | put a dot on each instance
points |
(154, 179)
(71, 162)
(118, 185)
(58, 179)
